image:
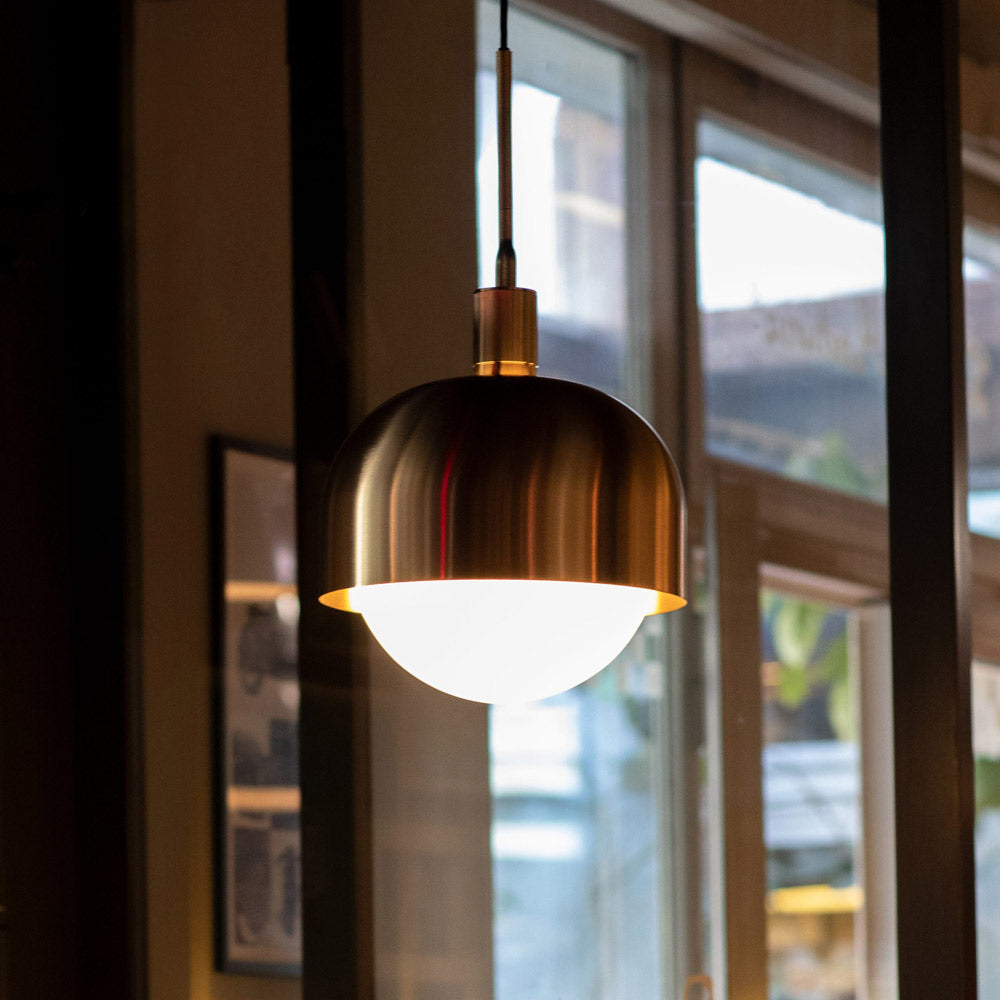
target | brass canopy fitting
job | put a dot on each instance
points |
(506, 331)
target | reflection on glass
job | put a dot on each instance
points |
(790, 278)
(258, 738)
(569, 111)
(986, 748)
(790, 291)
(812, 802)
(982, 371)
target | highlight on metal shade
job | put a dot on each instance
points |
(504, 480)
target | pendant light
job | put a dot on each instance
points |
(504, 534)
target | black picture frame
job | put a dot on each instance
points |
(256, 798)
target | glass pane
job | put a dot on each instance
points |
(812, 800)
(578, 780)
(790, 279)
(569, 111)
(982, 338)
(986, 748)
(578, 806)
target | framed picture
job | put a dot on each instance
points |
(257, 828)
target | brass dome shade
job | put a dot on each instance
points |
(505, 478)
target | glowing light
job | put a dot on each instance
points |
(287, 605)
(816, 899)
(502, 641)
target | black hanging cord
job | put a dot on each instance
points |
(506, 261)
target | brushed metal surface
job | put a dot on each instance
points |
(501, 478)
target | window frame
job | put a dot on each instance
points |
(789, 527)
(655, 342)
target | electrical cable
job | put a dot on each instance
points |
(506, 267)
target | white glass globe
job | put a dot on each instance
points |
(502, 641)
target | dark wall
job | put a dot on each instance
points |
(70, 836)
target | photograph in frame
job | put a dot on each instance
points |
(257, 802)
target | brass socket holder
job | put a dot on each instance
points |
(506, 331)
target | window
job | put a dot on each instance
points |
(790, 279)
(812, 798)
(982, 304)
(986, 746)
(579, 783)
(790, 296)
(569, 114)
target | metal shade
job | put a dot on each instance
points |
(503, 478)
